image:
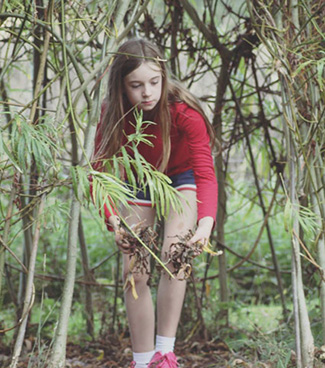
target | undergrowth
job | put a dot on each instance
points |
(257, 328)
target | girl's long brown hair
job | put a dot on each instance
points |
(129, 57)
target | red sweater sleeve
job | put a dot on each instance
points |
(193, 126)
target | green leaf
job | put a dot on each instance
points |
(126, 162)
(37, 141)
(4, 149)
(84, 181)
(116, 166)
(138, 165)
(320, 73)
(306, 217)
(308, 221)
(301, 66)
(109, 190)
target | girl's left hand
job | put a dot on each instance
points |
(203, 232)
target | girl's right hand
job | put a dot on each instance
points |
(120, 234)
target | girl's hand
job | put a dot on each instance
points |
(203, 232)
(120, 234)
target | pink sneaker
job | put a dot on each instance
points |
(168, 360)
(132, 364)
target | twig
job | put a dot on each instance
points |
(13, 254)
(309, 257)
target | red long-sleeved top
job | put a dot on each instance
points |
(190, 149)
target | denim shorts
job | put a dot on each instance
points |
(182, 181)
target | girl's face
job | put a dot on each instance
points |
(143, 86)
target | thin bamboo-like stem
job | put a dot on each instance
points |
(61, 278)
(6, 233)
(304, 337)
(72, 57)
(211, 35)
(132, 21)
(41, 68)
(260, 233)
(295, 262)
(200, 318)
(29, 288)
(222, 200)
(112, 44)
(82, 242)
(88, 277)
(10, 285)
(174, 30)
(116, 290)
(260, 197)
(27, 224)
(57, 357)
(283, 37)
(318, 203)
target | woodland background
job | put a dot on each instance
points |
(258, 68)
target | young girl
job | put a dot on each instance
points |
(182, 139)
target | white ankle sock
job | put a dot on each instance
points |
(165, 344)
(142, 359)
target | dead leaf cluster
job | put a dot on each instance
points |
(139, 256)
(181, 255)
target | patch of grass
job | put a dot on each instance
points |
(262, 318)
(259, 334)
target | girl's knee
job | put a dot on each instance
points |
(138, 277)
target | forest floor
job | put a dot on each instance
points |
(113, 352)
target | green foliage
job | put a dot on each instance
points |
(55, 214)
(5, 151)
(307, 219)
(251, 104)
(37, 141)
(109, 190)
(250, 282)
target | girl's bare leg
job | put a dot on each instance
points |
(140, 312)
(171, 292)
